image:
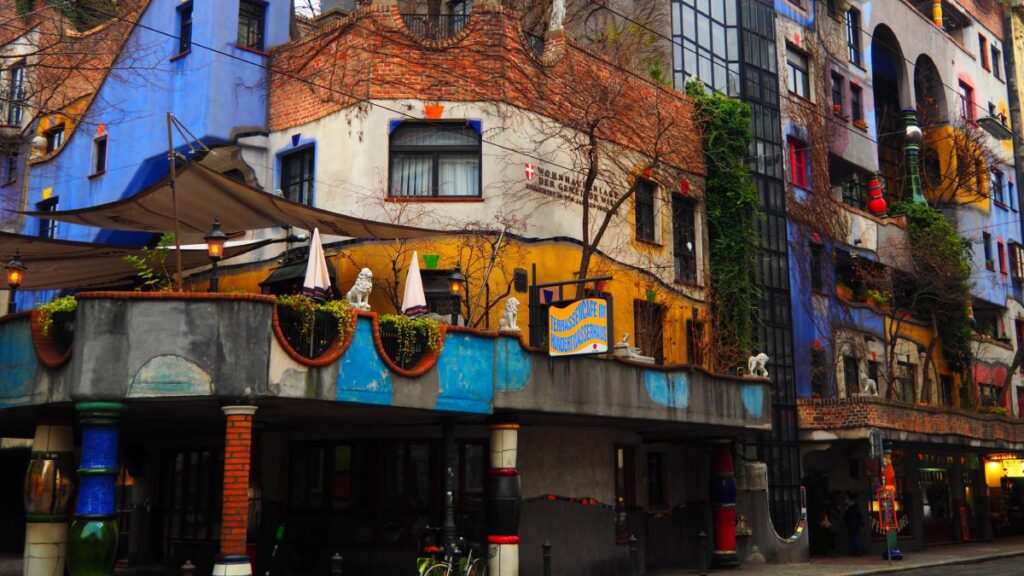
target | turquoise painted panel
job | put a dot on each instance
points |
(667, 389)
(169, 376)
(465, 371)
(363, 377)
(512, 366)
(753, 399)
(18, 364)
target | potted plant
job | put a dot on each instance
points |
(57, 321)
(844, 291)
(652, 295)
(311, 328)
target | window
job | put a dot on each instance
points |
(1001, 250)
(251, 16)
(684, 247)
(695, 342)
(986, 240)
(99, 155)
(837, 93)
(817, 270)
(819, 373)
(185, 27)
(833, 8)
(798, 163)
(853, 35)
(625, 494)
(191, 495)
(851, 374)
(16, 93)
(966, 102)
(297, 170)
(644, 208)
(997, 63)
(799, 81)
(996, 186)
(54, 138)
(47, 228)
(1016, 261)
(983, 52)
(435, 159)
(856, 103)
(908, 383)
(10, 168)
(656, 497)
(648, 325)
(945, 390)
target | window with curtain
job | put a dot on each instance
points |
(430, 159)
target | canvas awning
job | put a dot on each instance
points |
(63, 264)
(205, 194)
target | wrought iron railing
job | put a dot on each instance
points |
(435, 26)
(535, 41)
(62, 331)
(404, 359)
(313, 340)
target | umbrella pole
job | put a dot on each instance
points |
(174, 201)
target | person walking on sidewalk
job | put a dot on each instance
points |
(854, 523)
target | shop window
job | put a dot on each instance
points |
(817, 269)
(656, 497)
(853, 35)
(643, 206)
(99, 155)
(798, 168)
(191, 496)
(856, 103)
(837, 93)
(297, 175)
(47, 227)
(648, 325)
(251, 22)
(684, 240)
(54, 138)
(625, 494)
(185, 27)
(435, 159)
(798, 70)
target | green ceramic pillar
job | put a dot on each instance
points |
(912, 151)
(92, 539)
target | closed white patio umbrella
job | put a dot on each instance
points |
(317, 284)
(414, 300)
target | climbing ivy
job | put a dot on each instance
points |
(732, 209)
(941, 283)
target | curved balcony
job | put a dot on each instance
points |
(435, 26)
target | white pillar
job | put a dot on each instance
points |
(48, 489)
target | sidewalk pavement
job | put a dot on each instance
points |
(868, 565)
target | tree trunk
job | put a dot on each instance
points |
(1018, 359)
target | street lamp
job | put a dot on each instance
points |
(15, 274)
(215, 250)
(457, 287)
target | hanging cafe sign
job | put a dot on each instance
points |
(578, 328)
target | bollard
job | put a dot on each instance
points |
(634, 551)
(188, 568)
(547, 557)
(336, 564)
(702, 543)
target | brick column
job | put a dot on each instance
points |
(232, 560)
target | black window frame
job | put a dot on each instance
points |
(997, 59)
(856, 102)
(9, 168)
(837, 92)
(644, 213)
(798, 73)
(684, 231)
(305, 158)
(16, 93)
(185, 27)
(435, 151)
(853, 43)
(252, 21)
(996, 190)
(99, 155)
(47, 227)
(54, 137)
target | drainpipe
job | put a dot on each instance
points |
(1013, 97)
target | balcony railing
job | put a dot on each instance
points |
(62, 331)
(392, 344)
(309, 341)
(435, 26)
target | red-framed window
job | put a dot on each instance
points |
(1001, 249)
(798, 169)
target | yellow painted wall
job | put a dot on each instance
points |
(944, 140)
(69, 117)
(555, 260)
(922, 334)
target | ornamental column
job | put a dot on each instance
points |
(723, 506)
(47, 493)
(232, 560)
(503, 500)
(92, 539)
(912, 150)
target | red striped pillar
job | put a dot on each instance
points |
(723, 506)
(503, 499)
(232, 560)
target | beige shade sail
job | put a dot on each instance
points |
(63, 264)
(205, 194)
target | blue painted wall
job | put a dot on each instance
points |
(18, 363)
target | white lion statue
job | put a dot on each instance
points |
(557, 15)
(756, 365)
(509, 317)
(358, 295)
(868, 387)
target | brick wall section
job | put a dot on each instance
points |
(372, 55)
(237, 457)
(866, 412)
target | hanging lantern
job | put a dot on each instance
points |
(876, 204)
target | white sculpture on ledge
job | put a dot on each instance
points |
(358, 295)
(868, 387)
(756, 365)
(557, 15)
(624, 350)
(509, 319)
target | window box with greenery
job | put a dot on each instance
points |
(406, 341)
(56, 330)
(312, 329)
(843, 291)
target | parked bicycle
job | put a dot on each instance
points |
(456, 558)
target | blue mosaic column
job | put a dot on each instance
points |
(92, 539)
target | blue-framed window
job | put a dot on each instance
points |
(252, 20)
(297, 174)
(184, 27)
(996, 186)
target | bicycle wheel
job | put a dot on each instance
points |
(477, 568)
(439, 569)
